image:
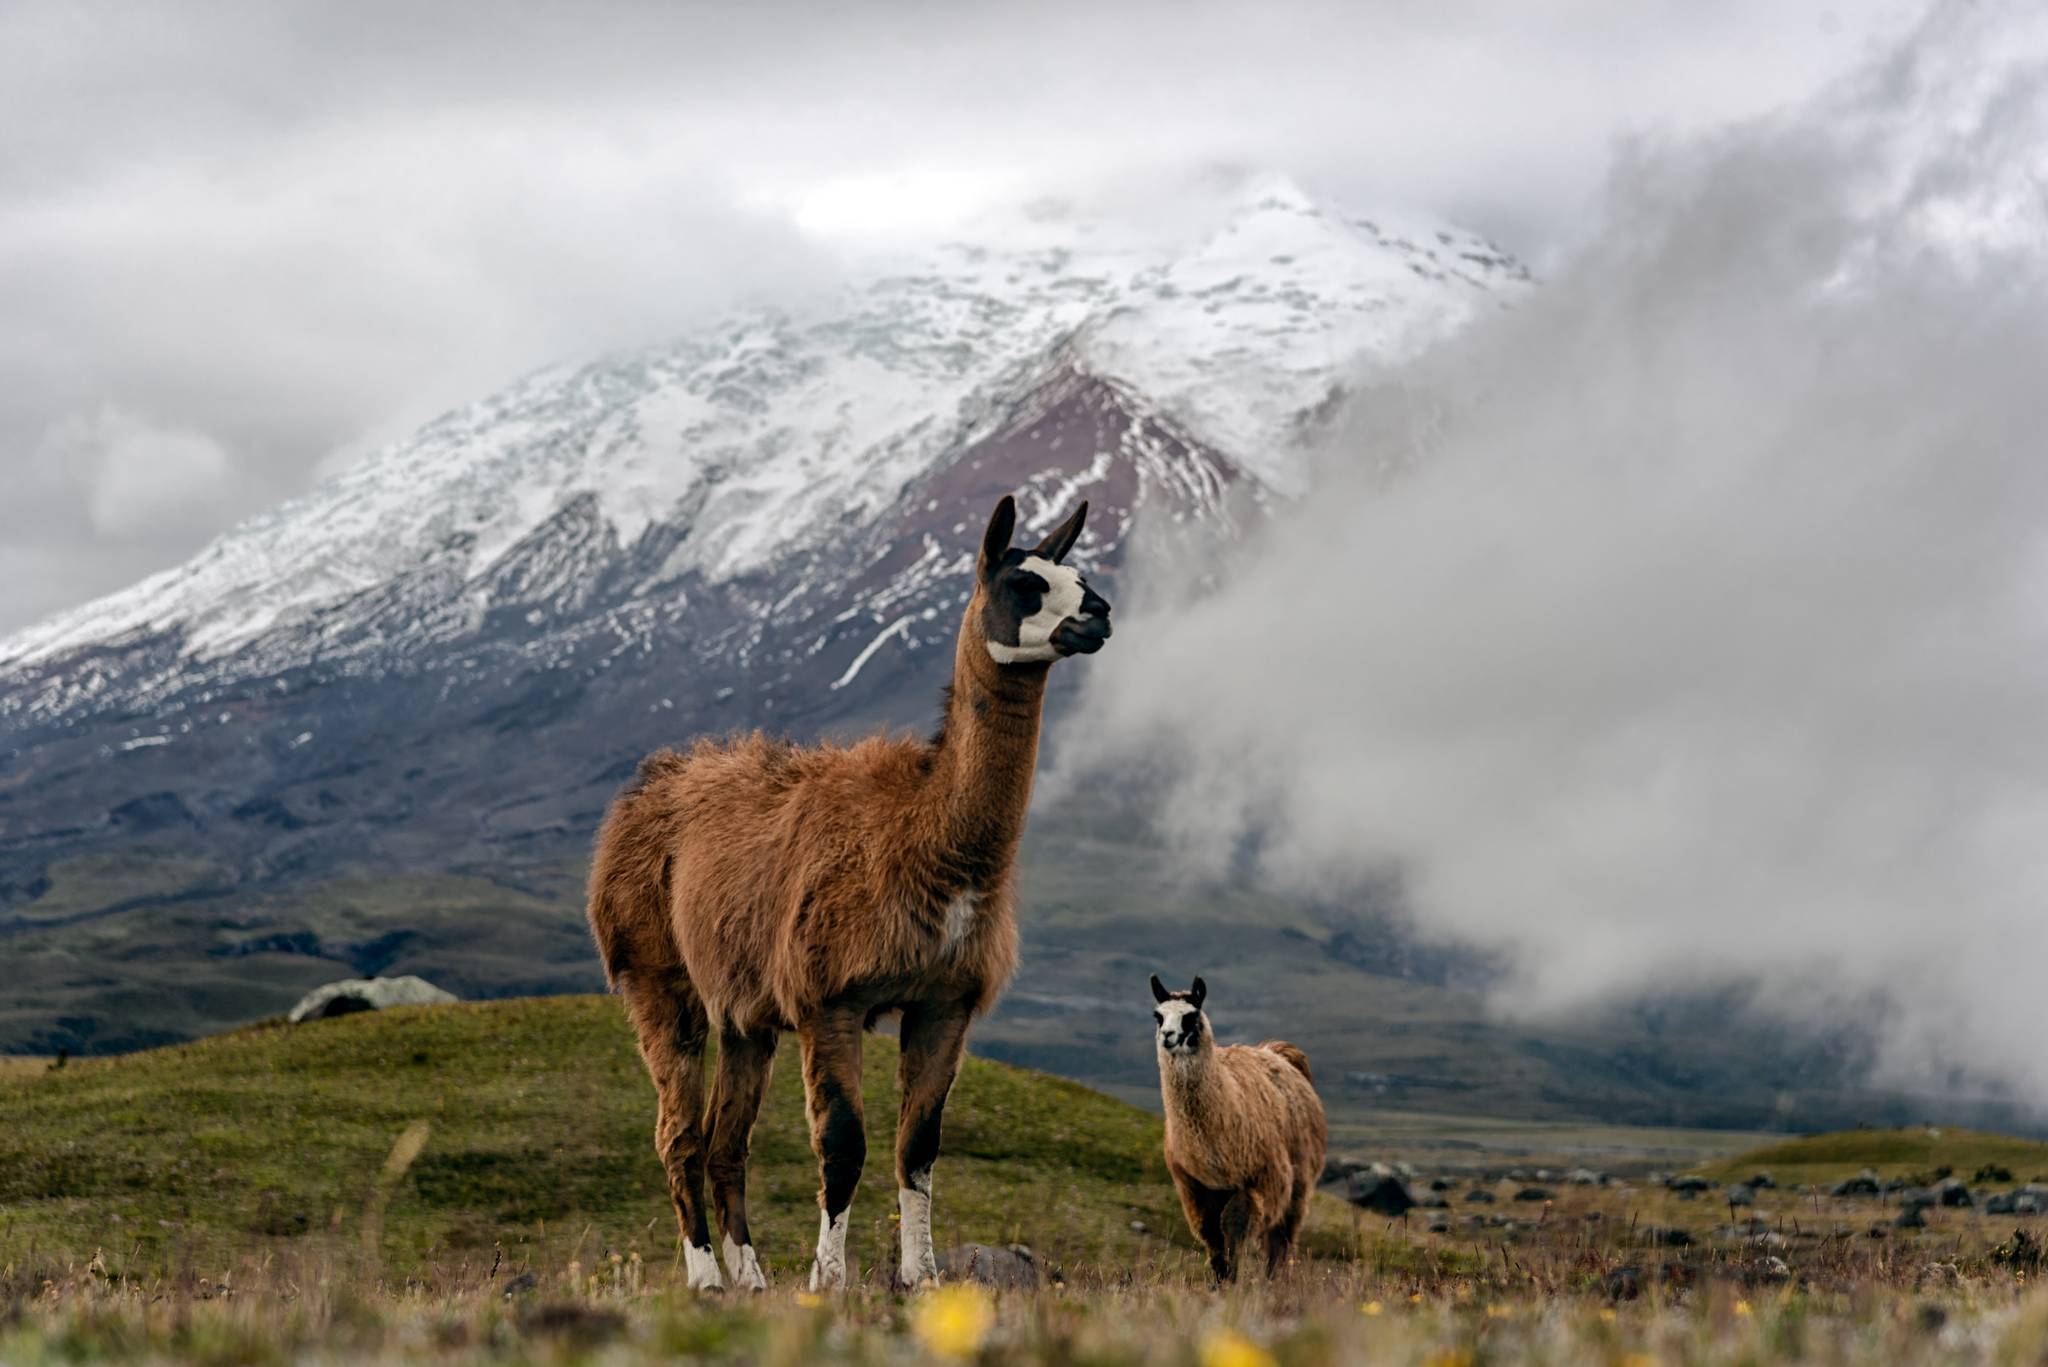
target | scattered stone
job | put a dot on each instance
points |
(366, 994)
(1140, 1227)
(1695, 1185)
(2024, 1203)
(1013, 1267)
(1772, 1269)
(574, 1322)
(1739, 1195)
(1917, 1198)
(1534, 1194)
(1480, 1194)
(1863, 1183)
(2000, 1204)
(1429, 1200)
(1440, 1225)
(1759, 1182)
(1585, 1177)
(1441, 1184)
(1623, 1284)
(520, 1285)
(1910, 1218)
(1381, 1193)
(1659, 1237)
(1877, 1232)
(1951, 1191)
(1991, 1172)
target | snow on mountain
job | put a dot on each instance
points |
(767, 435)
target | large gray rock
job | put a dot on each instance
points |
(1013, 1267)
(367, 994)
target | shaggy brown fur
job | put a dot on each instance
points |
(752, 886)
(1245, 1134)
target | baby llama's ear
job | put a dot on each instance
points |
(996, 539)
(1199, 993)
(1159, 992)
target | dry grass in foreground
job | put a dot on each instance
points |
(622, 1311)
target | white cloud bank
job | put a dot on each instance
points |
(1690, 625)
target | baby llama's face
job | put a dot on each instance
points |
(1178, 1027)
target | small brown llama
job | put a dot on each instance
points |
(1245, 1133)
(752, 886)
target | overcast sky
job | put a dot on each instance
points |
(240, 242)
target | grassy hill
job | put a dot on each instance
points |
(1905, 1152)
(539, 1144)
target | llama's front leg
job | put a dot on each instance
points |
(933, 1038)
(831, 1050)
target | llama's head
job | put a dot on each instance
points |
(1035, 610)
(1177, 1018)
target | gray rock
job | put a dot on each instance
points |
(1011, 1267)
(1917, 1198)
(2025, 1203)
(367, 994)
(1759, 1181)
(1863, 1183)
(1695, 1185)
(1952, 1191)
(1480, 1194)
(1910, 1218)
(1382, 1193)
(1584, 1177)
(1739, 1195)
(2000, 1203)
(1535, 1194)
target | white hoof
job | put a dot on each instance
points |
(829, 1269)
(703, 1268)
(743, 1267)
(919, 1266)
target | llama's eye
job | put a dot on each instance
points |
(1158, 1019)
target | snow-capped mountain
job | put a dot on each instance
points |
(457, 645)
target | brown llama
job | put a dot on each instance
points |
(1245, 1133)
(752, 886)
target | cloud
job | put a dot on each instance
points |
(1688, 625)
(301, 230)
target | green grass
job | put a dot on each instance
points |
(540, 1125)
(1918, 1149)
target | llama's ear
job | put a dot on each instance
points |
(1159, 992)
(996, 539)
(1198, 993)
(1056, 546)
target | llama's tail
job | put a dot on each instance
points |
(1291, 1054)
(628, 895)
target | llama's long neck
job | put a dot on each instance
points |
(982, 771)
(1188, 1083)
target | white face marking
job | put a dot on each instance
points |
(744, 1266)
(829, 1271)
(1173, 1025)
(914, 1205)
(959, 921)
(703, 1268)
(1034, 634)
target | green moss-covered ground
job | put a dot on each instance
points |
(539, 1140)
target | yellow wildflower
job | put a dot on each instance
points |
(1607, 1314)
(809, 1300)
(1498, 1312)
(953, 1321)
(1742, 1309)
(1370, 1308)
(1225, 1348)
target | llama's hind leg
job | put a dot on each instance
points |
(831, 1049)
(933, 1038)
(1280, 1238)
(670, 1022)
(744, 1062)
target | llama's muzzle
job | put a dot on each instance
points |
(1084, 633)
